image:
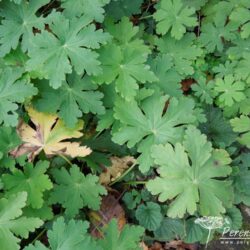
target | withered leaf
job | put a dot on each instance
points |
(49, 135)
(110, 209)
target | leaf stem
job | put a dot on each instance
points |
(135, 182)
(145, 17)
(38, 236)
(66, 159)
(123, 175)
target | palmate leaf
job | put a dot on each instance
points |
(124, 60)
(12, 223)
(192, 186)
(91, 8)
(70, 235)
(49, 136)
(31, 180)
(168, 77)
(203, 90)
(69, 46)
(19, 21)
(183, 52)
(76, 96)
(13, 90)
(74, 190)
(172, 14)
(242, 125)
(147, 125)
(127, 239)
(214, 33)
(229, 91)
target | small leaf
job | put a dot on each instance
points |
(149, 215)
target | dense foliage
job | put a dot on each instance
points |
(144, 103)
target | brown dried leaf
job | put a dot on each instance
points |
(48, 136)
(110, 208)
(119, 165)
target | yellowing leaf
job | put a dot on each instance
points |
(48, 136)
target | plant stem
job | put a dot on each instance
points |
(135, 182)
(66, 159)
(123, 175)
(145, 17)
(38, 236)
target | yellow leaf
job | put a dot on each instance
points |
(49, 135)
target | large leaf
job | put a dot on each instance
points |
(189, 176)
(70, 45)
(148, 124)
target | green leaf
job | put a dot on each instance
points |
(235, 218)
(229, 90)
(76, 96)
(191, 185)
(194, 232)
(173, 15)
(170, 229)
(149, 215)
(13, 90)
(91, 8)
(168, 78)
(127, 239)
(74, 190)
(183, 52)
(71, 235)
(124, 64)
(213, 35)
(217, 128)
(8, 140)
(242, 17)
(242, 125)
(70, 45)
(121, 8)
(32, 180)
(203, 90)
(19, 21)
(242, 70)
(147, 125)
(197, 4)
(12, 223)
(241, 180)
